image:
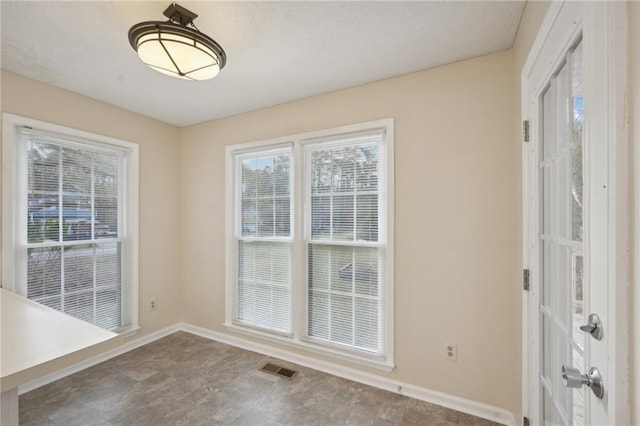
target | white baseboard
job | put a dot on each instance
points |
(478, 409)
(133, 344)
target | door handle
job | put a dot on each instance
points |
(575, 379)
(593, 326)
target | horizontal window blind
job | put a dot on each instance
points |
(345, 213)
(76, 257)
(264, 240)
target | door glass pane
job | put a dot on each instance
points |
(577, 299)
(561, 285)
(546, 199)
(548, 122)
(562, 262)
(576, 196)
(577, 135)
(548, 362)
(551, 416)
(559, 196)
(578, 395)
(563, 108)
(556, 197)
(562, 392)
(556, 274)
(546, 265)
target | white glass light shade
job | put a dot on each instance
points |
(178, 56)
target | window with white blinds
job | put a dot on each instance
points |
(264, 240)
(72, 245)
(310, 260)
(345, 241)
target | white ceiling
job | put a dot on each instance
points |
(276, 51)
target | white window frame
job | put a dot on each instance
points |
(14, 279)
(299, 339)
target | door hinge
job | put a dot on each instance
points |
(525, 130)
(525, 421)
(525, 279)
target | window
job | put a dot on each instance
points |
(310, 220)
(345, 248)
(264, 244)
(70, 215)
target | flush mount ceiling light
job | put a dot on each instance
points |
(176, 47)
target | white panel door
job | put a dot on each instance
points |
(568, 237)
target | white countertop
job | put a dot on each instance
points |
(34, 334)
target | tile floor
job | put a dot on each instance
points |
(184, 379)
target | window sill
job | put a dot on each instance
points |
(377, 362)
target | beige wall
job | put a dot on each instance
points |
(159, 268)
(456, 217)
(458, 212)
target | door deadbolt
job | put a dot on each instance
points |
(593, 326)
(575, 379)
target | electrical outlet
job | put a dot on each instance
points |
(153, 304)
(451, 351)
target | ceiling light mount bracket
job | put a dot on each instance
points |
(179, 15)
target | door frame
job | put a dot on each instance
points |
(609, 21)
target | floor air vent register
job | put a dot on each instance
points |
(279, 371)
